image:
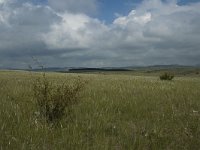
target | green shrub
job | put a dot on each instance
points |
(55, 100)
(166, 76)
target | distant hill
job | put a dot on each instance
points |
(156, 69)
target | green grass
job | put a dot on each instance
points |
(115, 112)
(148, 71)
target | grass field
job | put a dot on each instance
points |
(116, 112)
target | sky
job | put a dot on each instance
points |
(99, 33)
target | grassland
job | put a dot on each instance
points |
(115, 112)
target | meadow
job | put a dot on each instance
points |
(115, 112)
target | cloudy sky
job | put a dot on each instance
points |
(99, 33)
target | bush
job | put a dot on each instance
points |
(166, 76)
(55, 100)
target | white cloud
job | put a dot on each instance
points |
(132, 17)
(74, 6)
(67, 34)
(2, 1)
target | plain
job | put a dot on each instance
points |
(115, 112)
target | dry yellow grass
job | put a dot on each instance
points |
(115, 112)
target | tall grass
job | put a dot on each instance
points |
(114, 112)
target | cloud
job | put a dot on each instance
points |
(170, 35)
(2, 1)
(132, 17)
(74, 6)
(20, 27)
(75, 31)
(155, 32)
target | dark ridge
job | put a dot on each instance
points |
(96, 69)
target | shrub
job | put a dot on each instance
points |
(55, 100)
(166, 76)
